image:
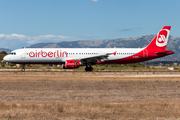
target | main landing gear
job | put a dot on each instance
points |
(23, 68)
(90, 69)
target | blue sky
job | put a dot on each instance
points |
(25, 22)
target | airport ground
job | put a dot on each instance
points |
(90, 95)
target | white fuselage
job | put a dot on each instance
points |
(60, 55)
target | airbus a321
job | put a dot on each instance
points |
(71, 58)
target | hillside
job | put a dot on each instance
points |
(109, 43)
(6, 50)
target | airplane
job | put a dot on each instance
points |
(71, 58)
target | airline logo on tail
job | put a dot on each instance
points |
(162, 38)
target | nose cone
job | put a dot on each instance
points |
(5, 58)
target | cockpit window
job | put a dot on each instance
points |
(12, 53)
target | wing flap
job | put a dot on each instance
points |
(97, 57)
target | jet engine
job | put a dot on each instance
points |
(71, 64)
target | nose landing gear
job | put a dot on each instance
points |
(23, 68)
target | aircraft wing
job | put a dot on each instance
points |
(92, 59)
(102, 56)
(96, 58)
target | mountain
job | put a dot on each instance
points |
(108, 43)
(6, 50)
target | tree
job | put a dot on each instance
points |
(3, 52)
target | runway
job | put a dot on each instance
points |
(78, 71)
(89, 95)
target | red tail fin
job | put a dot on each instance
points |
(161, 39)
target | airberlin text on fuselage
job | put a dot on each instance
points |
(57, 53)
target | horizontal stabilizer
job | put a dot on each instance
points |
(165, 52)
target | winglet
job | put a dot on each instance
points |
(114, 53)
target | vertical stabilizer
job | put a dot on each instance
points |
(161, 39)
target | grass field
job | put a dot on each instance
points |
(101, 67)
(88, 96)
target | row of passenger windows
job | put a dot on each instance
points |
(77, 53)
(13, 53)
(97, 53)
(125, 53)
(83, 53)
(64, 53)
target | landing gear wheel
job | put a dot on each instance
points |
(89, 69)
(23, 68)
(86, 69)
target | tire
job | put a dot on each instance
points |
(91, 69)
(86, 69)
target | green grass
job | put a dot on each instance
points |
(102, 67)
(125, 67)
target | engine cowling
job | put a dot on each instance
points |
(71, 64)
